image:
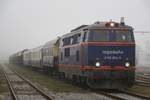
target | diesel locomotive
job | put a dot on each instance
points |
(101, 55)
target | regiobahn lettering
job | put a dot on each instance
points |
(115, 54)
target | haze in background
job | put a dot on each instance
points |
(30, 23)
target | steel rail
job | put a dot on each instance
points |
(135, 94)
(10, 87)
(110, 95)
(140, 96)
(141, 84)
(34, 86)
(142, 81)
(144, 76)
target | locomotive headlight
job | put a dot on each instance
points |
(112, 24)
(97, 64)
(127, 64)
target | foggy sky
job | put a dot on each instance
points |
(30, 23)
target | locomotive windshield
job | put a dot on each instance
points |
(122, 36)
(99, 35)
(110, 36)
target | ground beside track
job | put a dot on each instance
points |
(3, 86)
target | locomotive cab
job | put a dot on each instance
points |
(109, 47)
(109, 55)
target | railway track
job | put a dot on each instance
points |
(142, 80)
(123, 95)
(143, 74)
(21, 88)
(143, 83)
(127, 95)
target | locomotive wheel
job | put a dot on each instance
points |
(91, 83)
(74, 78)
(61, 75)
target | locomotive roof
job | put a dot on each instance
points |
(98, 25)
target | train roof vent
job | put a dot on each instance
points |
(80, 27)
(97, 22)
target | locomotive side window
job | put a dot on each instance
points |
(66, 41)
(67, 52)
(85, 37)
(76, 39)
(79, 37)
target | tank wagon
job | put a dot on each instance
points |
(102, 55)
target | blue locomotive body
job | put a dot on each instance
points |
(110, 55)
(111, 71)
(102, 56)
